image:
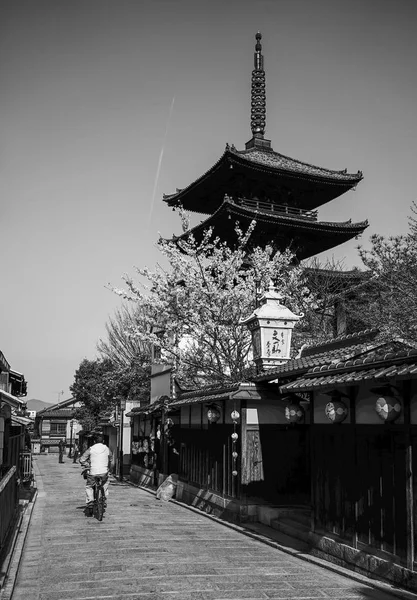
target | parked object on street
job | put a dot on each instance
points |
(167, 489)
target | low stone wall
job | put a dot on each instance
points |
(231, 509)
(142, 476)
(362, 562)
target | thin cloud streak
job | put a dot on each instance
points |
(161, 155)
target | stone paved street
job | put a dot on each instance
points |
(145, 549)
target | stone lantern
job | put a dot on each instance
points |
(271, 326)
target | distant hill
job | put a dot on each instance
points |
(37, 405)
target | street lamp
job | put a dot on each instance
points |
(122, 409)
(70, 448)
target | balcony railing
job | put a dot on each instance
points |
(277, 209)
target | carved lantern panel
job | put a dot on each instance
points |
(271, 326)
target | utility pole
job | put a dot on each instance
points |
(61, 393)
(122, 409)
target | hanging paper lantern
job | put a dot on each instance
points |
(336, 411)
(213, 414)
(234, 436)
(388, 408)
(235, 454)
(235, 415)
(294, 412)
(234, 473)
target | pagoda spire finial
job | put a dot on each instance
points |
(258, 95)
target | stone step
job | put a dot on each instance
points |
(298, 516)
(291, 528)
(266, 513)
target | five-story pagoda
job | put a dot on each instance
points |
(282, 194)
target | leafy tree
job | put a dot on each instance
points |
(192, 310)
(120, 346)
(391, 295)
(129, 356)
(93, 388)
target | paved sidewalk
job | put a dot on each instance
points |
(145, 549)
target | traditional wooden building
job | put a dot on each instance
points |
(281, 193)
(53, 424)
(362, 420)
(15, 456)
(322, 448)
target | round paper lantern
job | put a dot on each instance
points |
(234, 436)
(294, 412)
(213, 414)
(235, 454)
(235, 415)
(234, 473)
(336, 411)
(388, 408)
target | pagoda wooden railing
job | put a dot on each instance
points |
(277, 209)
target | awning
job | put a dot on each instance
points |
(17, 420)
(12, 400)
(161, 402)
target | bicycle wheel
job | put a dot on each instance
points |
(100, 502)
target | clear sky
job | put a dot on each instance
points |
(86, 91)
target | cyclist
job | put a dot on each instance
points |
(97, 459)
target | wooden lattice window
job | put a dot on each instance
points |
(59, 428)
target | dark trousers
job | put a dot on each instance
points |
(61, 456)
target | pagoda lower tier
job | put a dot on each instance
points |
(280, 226)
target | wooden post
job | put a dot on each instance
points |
(409, 492)
(243, 450)
(352, 412)
(313, 470)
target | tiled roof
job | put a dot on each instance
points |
(149, 408)
(61, 413)
(62, 404)
(381, 368)
(274, 160)
(382, 374)
(367, 346)
(291, 220)
(361, 362)
(342, 341)
(333, 352)
(317, 236)
(206, 394)
(202, 395)
(275, 163)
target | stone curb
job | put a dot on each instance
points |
(378, 585)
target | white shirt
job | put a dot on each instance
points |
(99, 455)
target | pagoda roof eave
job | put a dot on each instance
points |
(271, 163)
(317, 236)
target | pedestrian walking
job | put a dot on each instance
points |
(76, 452)
(61, 448)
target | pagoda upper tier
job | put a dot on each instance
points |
(260, 173)
(279, 192)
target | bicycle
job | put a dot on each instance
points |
(98, 505)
